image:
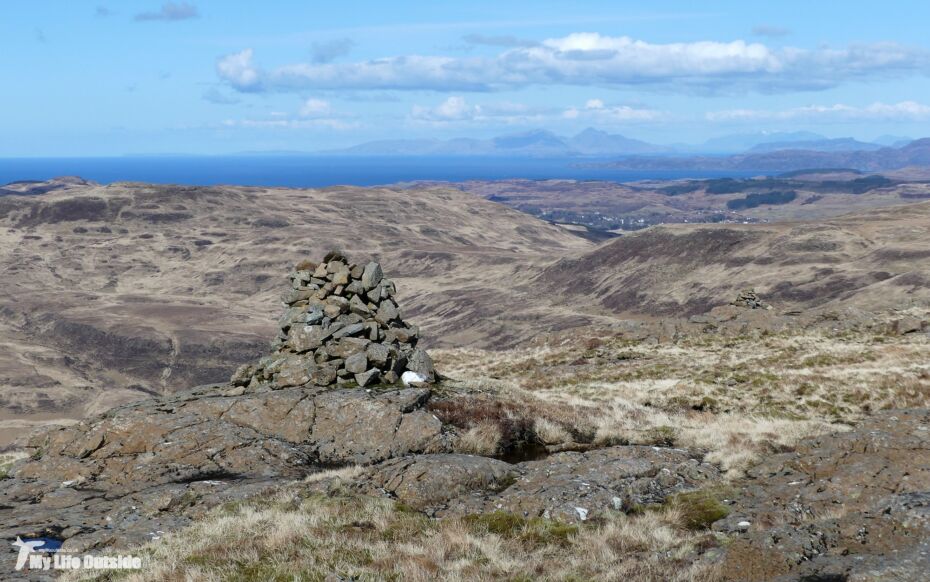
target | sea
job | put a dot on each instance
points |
(317, 171)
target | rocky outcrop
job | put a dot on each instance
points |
(569, 486)
(851, 506)
(143, 467)
(342, 327)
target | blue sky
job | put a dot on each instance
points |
(210, 76)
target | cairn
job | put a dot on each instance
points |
(749, 298)
(342, 327)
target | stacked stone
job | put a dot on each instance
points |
(749, 298)
(342, 327)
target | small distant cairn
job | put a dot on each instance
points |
(342, 328)
(749, 298)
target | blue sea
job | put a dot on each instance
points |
(317, 171)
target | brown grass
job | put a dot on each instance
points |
(735, 398)
(307, 537)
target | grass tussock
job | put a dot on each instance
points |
(364, 538)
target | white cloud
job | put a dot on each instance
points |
(597, 110)
(592, 59)
(457, 110)
(315, 108)
(237, 69)
(902, 111)
(452, 109)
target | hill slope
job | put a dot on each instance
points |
(115, 292)
(872, 261)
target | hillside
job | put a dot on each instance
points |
(116, 292)
(871, 261)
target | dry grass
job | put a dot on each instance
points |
(735, 398)
(298, 537)
(7, 459)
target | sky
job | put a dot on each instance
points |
(100, 78)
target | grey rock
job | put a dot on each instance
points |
(403, 335)
(358, 307)
(378, 354)
(420, 362)
(372, 275)
(306, 337)
(428, 482)
(368, 377)
(336, 306)
(355, 288)
(346, 347)
(387, 312)
(357, 363)
(324, 375)
(350, 330)
(293, 372)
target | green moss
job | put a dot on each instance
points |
(700, 509)
(506, 482)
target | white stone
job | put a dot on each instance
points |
(743, 525)
(582, 513)
(409, 378)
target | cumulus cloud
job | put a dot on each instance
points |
(237, 70)
(902, 111)
(328, 51)
(591, 59)
(170, 12)
(597, 110)
(457, 109)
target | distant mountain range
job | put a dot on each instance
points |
(915, 153)
(595, 142)
(536, 142)
(843, 144)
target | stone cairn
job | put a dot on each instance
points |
(342, 327)
(749, 298)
